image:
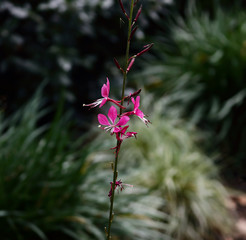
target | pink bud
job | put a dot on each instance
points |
(147, 48)
(123, 9)
(138, 13)
(132, 95)
(117, 64)
(135, 93)
(130, 65)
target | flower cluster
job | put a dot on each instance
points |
(101, 101)
(109, 122)
(118, 184)
(115, 123)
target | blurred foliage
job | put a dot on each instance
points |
(41, 179)
(166, 159)
(67, 42)
(71, 43)
(51, 186)
(203, 71)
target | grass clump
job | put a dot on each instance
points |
(52, 186)
(167, 160)
(43, 169)
(202, 69)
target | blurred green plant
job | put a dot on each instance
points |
(51, 186)
(41, 176)
(166, 159)
(60, 41)
(203, 71)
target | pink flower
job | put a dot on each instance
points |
(105, 94)
(117, 184)
(121, 135)
(136, 111)
(112, 125)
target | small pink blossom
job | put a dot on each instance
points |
(112, 126)
(121, 135)
(119, 185)
(136, 111)
(105, 94)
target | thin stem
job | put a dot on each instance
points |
(127, 54)
(113, 191)
(115, 175)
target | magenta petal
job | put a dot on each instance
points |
(117, 129)
(112, 114)
(123, 121)
(108, 85)
(102, 119)
(104, 90)
(139, 113)
(137, 103)
(130, 134)
(103, 102)
(124, 129)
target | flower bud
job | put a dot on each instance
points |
(118, 65)
(146, 49)
(138, 13)
(123, 9)
(130, 65)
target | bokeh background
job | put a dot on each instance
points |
(55, 163)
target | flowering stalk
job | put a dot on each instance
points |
(109, 123)
(115, 175)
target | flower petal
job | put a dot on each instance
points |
(105, 89)
(103, 102)
(108, 85)
(123, 130)
(112, 114)
(137, 103)
(123, 121)
(116, 129)
(102, 119)
(131, 134)
(139, 113)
